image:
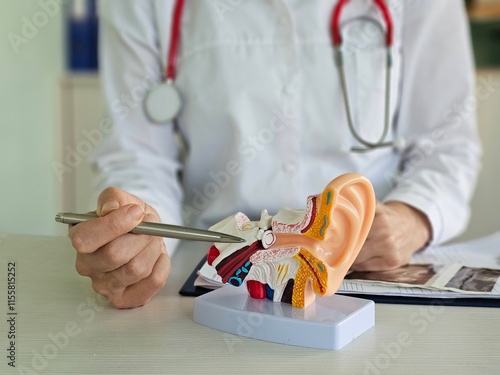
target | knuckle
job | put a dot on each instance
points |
(160, 274)
(152, 214)
(78, 241)
(101, 288)
(115, 226)
(151, 217)
(389, 243)
(136, 269)
(115, 283)
(120, 277)
(118, 302)
(110, 191)
(383, 221)
(114, 256)
(393, 260)
(157, 280)
(81, 267)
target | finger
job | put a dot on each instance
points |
(141, 293)
(370, 249)
(90, 235)
(379, 243)
(376, 263)
(364, 254)
(113, 255)
(139, 267)
(378, 256)
(112, 198)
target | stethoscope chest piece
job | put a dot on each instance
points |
(163, 103)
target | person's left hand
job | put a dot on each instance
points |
(398, 231)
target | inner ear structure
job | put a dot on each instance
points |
(297, 254)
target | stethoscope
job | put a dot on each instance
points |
(164, 102)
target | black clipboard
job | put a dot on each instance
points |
(189, 289)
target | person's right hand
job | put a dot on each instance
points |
(127, 269)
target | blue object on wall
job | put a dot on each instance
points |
(82, 35)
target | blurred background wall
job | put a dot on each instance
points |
(31, 64)
(50, 104)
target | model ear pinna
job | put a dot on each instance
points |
(297, 254)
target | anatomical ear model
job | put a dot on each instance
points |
(297, 254)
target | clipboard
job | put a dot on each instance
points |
(190, 290)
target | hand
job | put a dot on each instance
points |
(127, 269)
(398, 231)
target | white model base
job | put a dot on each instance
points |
(328, 323)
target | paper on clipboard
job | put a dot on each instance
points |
(452, 272)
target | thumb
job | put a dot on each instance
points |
(112, 198)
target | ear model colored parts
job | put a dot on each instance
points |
(311, 250)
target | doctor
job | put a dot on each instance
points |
(267, 117)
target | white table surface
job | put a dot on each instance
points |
(63, 327)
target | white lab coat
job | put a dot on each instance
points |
(263, 120)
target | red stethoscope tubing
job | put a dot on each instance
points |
(336, 15)
(175, 35)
